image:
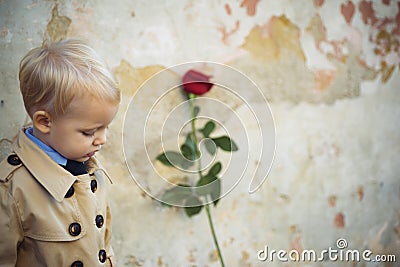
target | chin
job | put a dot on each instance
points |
(82, 159)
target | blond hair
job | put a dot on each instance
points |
(52, 75)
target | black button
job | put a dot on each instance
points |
(70, 192)
(99, 221)
(93, 185)
(14, 160)
(77, 264)
(74, 229)
(102, 256)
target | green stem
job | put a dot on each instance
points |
(193, 123)
(210, 222)
(197, 152)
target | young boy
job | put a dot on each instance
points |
(53, 205)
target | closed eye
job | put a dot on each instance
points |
(88, 134)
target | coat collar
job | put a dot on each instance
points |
(55, 179)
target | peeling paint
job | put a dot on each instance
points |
(160, 261)
(269, 41)
(228, 9)
(324, 78)
(332, 201)
(318, 3)
(190, 257)
(133, 261)
(360, 192)
(296, 242)
(331, 48)
(385, 34)
(347, 11)
(6, 35)
(339, 220)
(251, 6)
(57, 27)
(213, 255)
(277, 42)
(386, 71)
(226, 34)
(397, 21)
(130, 78)
(244, 260)
(367, 12)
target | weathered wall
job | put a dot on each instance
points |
(330, 71)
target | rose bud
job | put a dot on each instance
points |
(196, 82)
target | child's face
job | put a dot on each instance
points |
(79, 134)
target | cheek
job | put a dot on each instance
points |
(60, 132)
(81, 141)
(73, 141)
(76, 147)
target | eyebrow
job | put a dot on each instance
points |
(95, 128)
(90, 129)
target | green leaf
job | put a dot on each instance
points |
(202, 186)
(205, 180)
(187, 152)
(188, 155)
(189, 142)
(210, 146)
(225, 143)
(208, 128)
(186, 164)
(174, 159)
(195, 205)
(215, 169)
(167, 157)
(216, 191)
(176, 194)
(209, 185)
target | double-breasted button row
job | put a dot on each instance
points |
(102, 259)
(14, 160)
(75, 228)
(71, 190)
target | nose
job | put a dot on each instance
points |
(100, 138)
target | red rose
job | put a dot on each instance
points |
(196, 82)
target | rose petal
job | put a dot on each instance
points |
(196, 82)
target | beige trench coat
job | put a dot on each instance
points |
(48, 217)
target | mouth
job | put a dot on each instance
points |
(91, 154)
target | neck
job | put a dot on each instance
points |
(39, 135)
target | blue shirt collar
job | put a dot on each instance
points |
(54, 155)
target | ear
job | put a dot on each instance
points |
(42, 121)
